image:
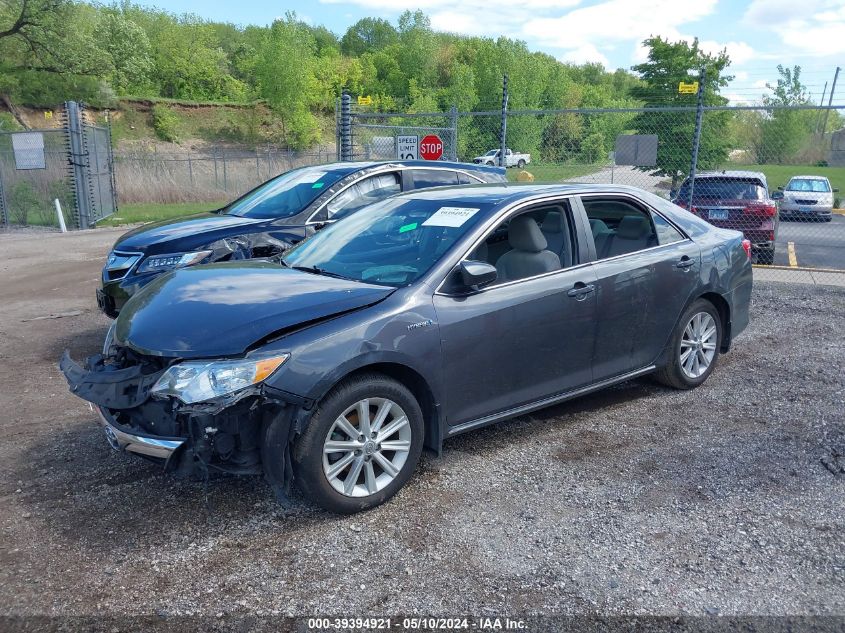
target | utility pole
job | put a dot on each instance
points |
(696, 142)
(830, 101)
(821, 108)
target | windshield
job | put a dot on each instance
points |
(492, 152)
(286, 195)
(724, 189)
(808, 184)
(393, 242)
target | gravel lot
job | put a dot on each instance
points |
(636, 500)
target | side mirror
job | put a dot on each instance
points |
(673, 194)
(477, 274)
(780, 188)
(835, 190)
(777, 195)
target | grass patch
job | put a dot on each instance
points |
(149, 212)
(554, 173)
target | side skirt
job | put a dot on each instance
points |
(545, 402)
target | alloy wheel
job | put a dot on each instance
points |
(698, 345)
(366, 447)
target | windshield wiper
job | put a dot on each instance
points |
(316, 270)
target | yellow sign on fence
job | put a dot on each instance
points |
(688, 89)
(368, 100)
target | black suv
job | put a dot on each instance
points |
(269, 219)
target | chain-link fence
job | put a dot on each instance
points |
(218, 174)
(774, 173)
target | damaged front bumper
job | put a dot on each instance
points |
(227, 434)
(132, 441)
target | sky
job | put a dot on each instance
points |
(758, 34)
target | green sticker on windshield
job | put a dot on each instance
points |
(408, 227)
(317, 185)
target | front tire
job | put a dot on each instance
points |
(361, 445)
(694, 347)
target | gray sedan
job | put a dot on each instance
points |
(420, 317)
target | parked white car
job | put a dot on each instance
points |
(809, 197)
(512, 159)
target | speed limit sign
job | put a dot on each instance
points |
(408, 147)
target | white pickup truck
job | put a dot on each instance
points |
(511, 159)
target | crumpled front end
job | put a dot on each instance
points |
(223, 434)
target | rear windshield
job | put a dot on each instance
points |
(286, 195)
(723, 189)
(808, 184)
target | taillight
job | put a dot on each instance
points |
(746, 246)
(763, 209)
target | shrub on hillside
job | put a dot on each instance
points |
(165, 123)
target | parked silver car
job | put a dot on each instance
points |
(809, 197)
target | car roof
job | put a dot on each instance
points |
(345, 168)
(511, 192)
(734, 173)
(808, 178)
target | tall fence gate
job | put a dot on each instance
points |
(72, 163)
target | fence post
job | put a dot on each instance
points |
(190, 170)
(337, 128)
(112, 168)
(225, 175)
(453, 123)
(216, 178)
(4, 215)
(699, 111)
(345, 126)
(74, 132)
(504, 133)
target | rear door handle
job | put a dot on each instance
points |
(581, 290)
(685, 262)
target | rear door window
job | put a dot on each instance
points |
(619, 227)
(424, 178)
(364, 192)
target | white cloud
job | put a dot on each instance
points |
(816, 28)
(584, 54)
(739, 52)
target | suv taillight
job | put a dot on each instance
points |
(764, 209)
(746, 246)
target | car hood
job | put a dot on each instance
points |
(818, 196)
(205, 227)
(222, 309)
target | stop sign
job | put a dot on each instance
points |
(431, 147)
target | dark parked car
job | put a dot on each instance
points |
(269, 219)
(736, 200)
(420, 317)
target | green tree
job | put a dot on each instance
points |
(668, 64)
(368, 35)
(129, 53)
(783, 132)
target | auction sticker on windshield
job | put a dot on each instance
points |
(450, 216)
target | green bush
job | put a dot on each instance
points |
(23, 201)
(165, 123)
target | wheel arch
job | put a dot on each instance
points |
(724, 309)
(418, 386)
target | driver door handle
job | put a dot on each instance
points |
(685, 262)
(581, 290)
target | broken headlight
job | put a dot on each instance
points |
(160, 263)
(197, 381)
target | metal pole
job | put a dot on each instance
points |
(821, 106)
(4, 216)
(191, 170)
(697, 138)
(216, 179)
(225, 177)
(257, 167)
(74, 131)
(830, 100)
(453, 122)
(111, 164)
(337, 127)
(504, 126)
(346, 153)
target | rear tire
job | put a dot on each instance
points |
(693, 348)
(520, 163)
(361, 445)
